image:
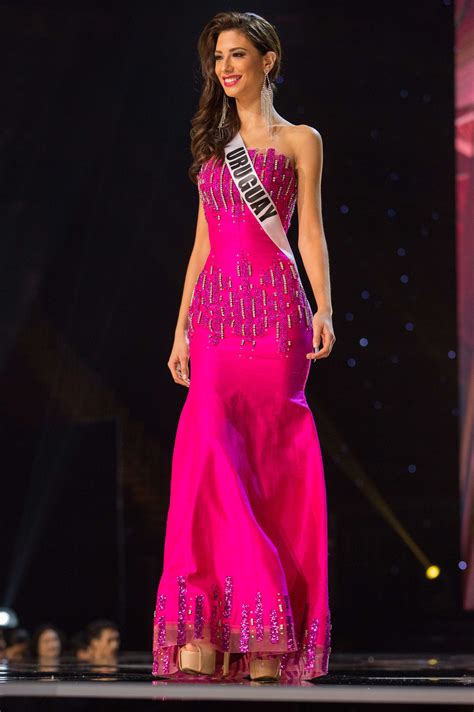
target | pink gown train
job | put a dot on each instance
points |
(245, 557)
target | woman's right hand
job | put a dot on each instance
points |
(178, 362)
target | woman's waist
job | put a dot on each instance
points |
(242, 261)
(244, 272)
(257, 249)
(249, 301)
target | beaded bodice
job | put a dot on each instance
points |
(248, 286)
(220, 195)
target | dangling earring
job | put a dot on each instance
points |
(225, 107)
(266, 102)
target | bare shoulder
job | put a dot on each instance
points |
(303, 142)
(307, 143)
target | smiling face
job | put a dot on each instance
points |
(239, 65)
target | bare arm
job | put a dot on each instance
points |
(312, 243)
(178, 362)
(196, 262)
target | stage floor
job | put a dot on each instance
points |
(362, 678)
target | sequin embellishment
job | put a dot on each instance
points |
(311, 646)
(274, 169)
(274, 634)
(259, 616)
(198, 616)
(245, 636)
(327, 642)
(226, 612)
(248, 304)
(244, 628)
(181, 637)
(215, 596)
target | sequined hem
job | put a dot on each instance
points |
(259, 627)
(293, 663)
(249, 304)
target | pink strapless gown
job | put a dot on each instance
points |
(245, 558)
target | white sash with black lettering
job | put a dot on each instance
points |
(254, 193)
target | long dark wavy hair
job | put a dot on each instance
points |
(206, 141)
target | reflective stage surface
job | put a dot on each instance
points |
(354, 680)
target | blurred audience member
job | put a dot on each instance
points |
(47, 642)
(18, 643)
(104, 641)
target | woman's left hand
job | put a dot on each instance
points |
(322, 329)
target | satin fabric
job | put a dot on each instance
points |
(245, 557)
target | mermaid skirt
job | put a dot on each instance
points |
(245, 557)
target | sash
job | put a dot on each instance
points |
(255, 194)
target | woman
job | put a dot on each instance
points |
(47, 643)
(244, 582)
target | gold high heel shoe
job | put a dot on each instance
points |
(201, 660)
(265, 669)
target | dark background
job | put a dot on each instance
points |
(97, 224)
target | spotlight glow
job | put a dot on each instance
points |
(432, 572)
(8, 618)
